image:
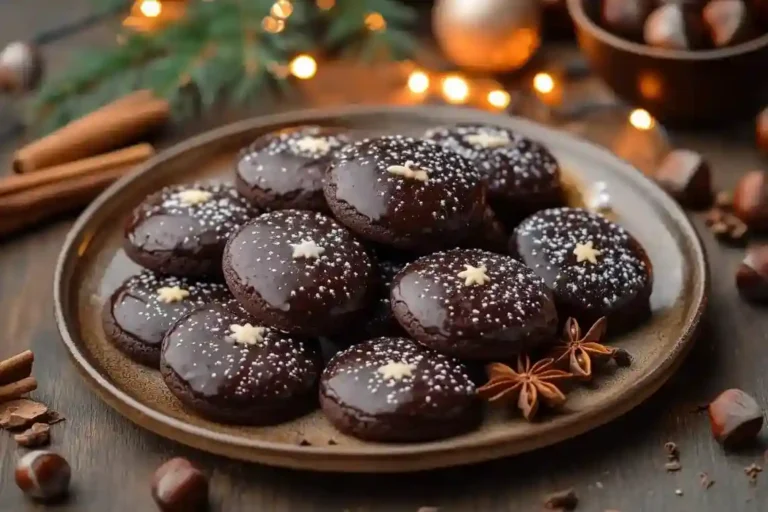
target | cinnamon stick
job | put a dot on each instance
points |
(122, 157)
(16, 368)
(107, 128)
(17, 389)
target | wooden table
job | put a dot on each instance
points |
(617, 467)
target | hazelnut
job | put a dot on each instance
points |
(179, 486)
(735, 418)
(626, 18)
(676, 27)
(750, 200)
(43, 475)
(729, 22)
(762, 131)
(687, 177)
(752, 275)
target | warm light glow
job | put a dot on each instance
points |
(281, 9)
(272, 25)
(544, 83)
(641, 119)
(455, 89)
(325, 4)
(151, 8)
(375, 22)
(303, 67)
(499, 98)
(418, 82)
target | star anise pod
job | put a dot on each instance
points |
(528, 385)
(580, 353)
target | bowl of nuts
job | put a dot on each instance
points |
(688, 62)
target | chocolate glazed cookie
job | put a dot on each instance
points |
(407, 193)
(285, 169)
(594, 267)
(395, 390)
(523, 176)
(145, 306)
(299, 271)
(226, 367)
(474, 304)
(181, 230)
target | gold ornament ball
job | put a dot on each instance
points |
(488, 35)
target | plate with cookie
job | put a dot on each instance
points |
(379, 289)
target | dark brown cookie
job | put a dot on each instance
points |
(145, 306)
(408, 193)
(523, 176)
(226, 367)
(395, 390)
(474, 304)
(299, 271)
(285, 169)
(594, 267)
(182, 229)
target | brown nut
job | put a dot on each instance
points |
(676, 27)
(735, 418)
(752, 275)
(687, 177)
(750, 200)
(729, 22)
(43, 475)
(179, 486)
(762, 129)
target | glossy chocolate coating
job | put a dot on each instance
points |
(522, 175)
(402, 211)
(265, 382)
(316, 296)
(169, 236)
(617, 286)
(512, 312)
(136, 319)
(426, 396)
(286, 169)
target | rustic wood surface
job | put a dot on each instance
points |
(617, 467)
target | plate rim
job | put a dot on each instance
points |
(397, 457)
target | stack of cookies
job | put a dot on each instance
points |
(419, 257)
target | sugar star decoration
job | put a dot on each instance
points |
(474, 275)
(313, 145)
(396, 370)
(488, 140)
(307, 249)
(407, 171)
(247, 334)
(194, 196)
(586, 252)
(170, 294)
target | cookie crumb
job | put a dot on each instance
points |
(562, 500)
(679, 492)
(752, 471)
(599, 485)
(331, 442)
(38, 434)
(705, 481)
(673, 466)
(304, 442)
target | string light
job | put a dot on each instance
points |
(375, 22)
(151, 8)
(281, 9)
(272, 25)
(641, 119)
(455, 89)
(325, 4)
(303, 66)
(499, 98)
(418, 82)
(544, 83)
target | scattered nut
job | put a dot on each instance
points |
(38, 434)
(735, 418)
(561, 500)
(726, 227)
(705, 481)
(724, 199)
(752, 275)
(43, 475)
(752, 471)
(178, 486)
(762, 129)
(750, 200)
(686, 176)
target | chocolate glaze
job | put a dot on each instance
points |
(135, 318)
(401, 211)
(618, 286)
(491, 236)
(267, 382)
(314, 296)
(512, 312)
(433, 397)
(169, 237)
(522, 175)
(284, 170)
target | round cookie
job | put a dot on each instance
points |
(408, 193)
(594, 267)
(223, 365)
(182, 229)
(474, 304)
(299, 271)
(145, 306)
(523, 176)
(285, 169)
(395, 390)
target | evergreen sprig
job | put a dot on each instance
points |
(219, 52)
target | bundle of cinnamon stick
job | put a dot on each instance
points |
(70, 167)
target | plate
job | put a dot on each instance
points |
(91, 265)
